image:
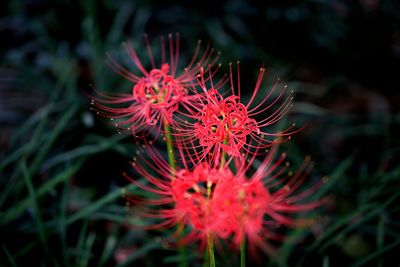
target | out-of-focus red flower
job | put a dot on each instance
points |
(157, 92)
(231, 206)
(219, 124)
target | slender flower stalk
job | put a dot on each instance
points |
(157, 92)
(210, 247)
(170, 147)
(172, 165)
(243, 253)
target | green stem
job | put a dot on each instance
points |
(170, 148)
(210, 242)
(223, 156)
(243, 253)
(210, 247)
(171, 161)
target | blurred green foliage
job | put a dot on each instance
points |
(61, 186)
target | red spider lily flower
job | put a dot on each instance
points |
(255, 207)
(213, 201)
(157, 92)
(220, 124)
(183, 197)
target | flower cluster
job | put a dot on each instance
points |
(208, 187)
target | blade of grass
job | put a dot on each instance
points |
(366, 217)
(82, 213)
(334, 177)
(32, 147)
(15, 155)
(9, 187)
(177, 258)
(84, 151)
(14, 184)
(42, 115)
(35, 204)
(62, 123)
(36, 118)
(17, 209)
(108, 249)
(79, 245)
(10, 258)
(140, 252)
(98, 204)
(86, 251)
(121, 19)
(380, 235)
(376, 254)
(62, 227)
(345, 220)
(325, 263)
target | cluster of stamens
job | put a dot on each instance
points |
(159, 91)
(224, 122)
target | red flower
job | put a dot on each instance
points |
(212, 200)
(220, 124)
(156, 93)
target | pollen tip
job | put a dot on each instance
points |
(308, 158)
